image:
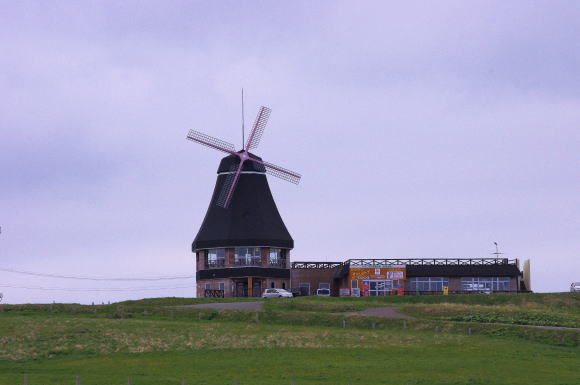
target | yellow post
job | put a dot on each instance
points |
(445, 290)
(250, 288)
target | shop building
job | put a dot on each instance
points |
(379, 277)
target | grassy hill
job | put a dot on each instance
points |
(462, 339)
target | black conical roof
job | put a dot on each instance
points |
(252, 218)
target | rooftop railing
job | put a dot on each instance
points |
(372, 262)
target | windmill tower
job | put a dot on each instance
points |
(243, 246)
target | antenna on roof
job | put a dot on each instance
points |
(243, 132)
(497, 253)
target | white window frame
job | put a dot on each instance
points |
(382, 287)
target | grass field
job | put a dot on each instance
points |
(300, 341)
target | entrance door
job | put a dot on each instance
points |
(256, 288)
(241, 289)
(380, 288)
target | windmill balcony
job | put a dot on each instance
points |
(248, 261)
(278, 263)
(215, 263)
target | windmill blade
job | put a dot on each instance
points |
(258, 128)
(281, 172)
(229, 185)
(210, 141)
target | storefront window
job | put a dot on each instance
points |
(485, 284)
(429, 283)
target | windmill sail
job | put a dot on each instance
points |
(210, 141)
(258, 128)
(282, 173)
(222, 200)
(255, 164)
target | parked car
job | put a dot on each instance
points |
(296, 292)
(276, 293)
(575, 287)
(323, 292)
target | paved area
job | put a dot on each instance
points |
(385, 311)
(228, 305)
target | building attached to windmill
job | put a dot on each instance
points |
(243, 246)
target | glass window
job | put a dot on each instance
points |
(276, 257)
(284, 285)
(207, 286)
(354, 283)
(429, 283)
(305, 288)
(216, 257)
(485, 284)
(247, 256)
(272, 285)
(380, 287)
(324, 285)
(222, 286)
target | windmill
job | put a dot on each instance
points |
(229, 186)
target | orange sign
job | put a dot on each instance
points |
(395, 273)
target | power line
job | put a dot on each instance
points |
(95, 289)
(94, 278)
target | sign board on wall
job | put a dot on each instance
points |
(344, 292)
(365, 274)
(397, 274)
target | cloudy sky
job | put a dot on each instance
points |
(421, 129)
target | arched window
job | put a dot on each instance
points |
(284, 285)
(272, 285)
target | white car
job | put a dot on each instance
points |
(323, 292)
(277, 293)
(575, 287)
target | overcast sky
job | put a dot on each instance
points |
(421, 129)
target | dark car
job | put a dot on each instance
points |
(298, 292)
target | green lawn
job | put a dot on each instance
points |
(477, 362)
(300, 341)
